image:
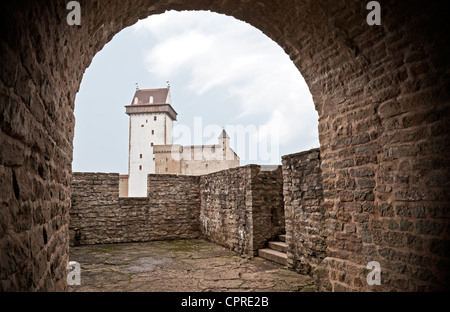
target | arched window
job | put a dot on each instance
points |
(151, 100)
(135, 100)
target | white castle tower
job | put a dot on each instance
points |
(151, 123)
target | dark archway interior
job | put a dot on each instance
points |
(382, 94)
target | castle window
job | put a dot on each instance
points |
(140, 156)
(135, 100)
(142, 125)
(206, 165)
(146, 120)
(140, 167)
(167, 169)
(153, 131)
(151, 144)
(151, 100)
(154, 118)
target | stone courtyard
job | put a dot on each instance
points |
(194, 265)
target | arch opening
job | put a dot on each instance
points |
(222, 72)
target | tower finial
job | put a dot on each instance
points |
(168, 85)
(137, 86)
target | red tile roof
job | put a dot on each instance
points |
(143, 95)
(160, 102)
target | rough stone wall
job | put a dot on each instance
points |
(175, 203)
(267, 205)
(304, 210)
(382, 94)
(225, 214)
(99, 216)
(384, 151)
(241, 208)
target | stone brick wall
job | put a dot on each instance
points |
(175, 205)
(99, 216)
(305, 211)
(267, 205)
(242, 208)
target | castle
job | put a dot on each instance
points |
(151, 148)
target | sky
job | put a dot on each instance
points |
(222, 72)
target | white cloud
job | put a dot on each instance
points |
(221, 52)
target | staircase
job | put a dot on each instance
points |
(276, 251)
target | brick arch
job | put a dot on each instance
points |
(382, 94)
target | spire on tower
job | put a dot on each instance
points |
(224, 135)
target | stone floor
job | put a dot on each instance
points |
(175, 266)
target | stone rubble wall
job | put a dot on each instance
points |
(305, 212)
(239, 208)
(242, 208)
(267, 205)
(98, 215)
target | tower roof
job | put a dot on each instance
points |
(160, 96)
(151, 101)
(224, 135)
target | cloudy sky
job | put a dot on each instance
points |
(222, 73)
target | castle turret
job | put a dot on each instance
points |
(151, 123)
(224, 142)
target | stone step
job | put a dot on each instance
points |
(282, 237)
(273, 255)
(279, 246)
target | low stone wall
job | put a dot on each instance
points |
(242, 208)
(98, 215)
(304, 209)
(267, 205)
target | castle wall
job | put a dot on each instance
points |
(242, 208)
(198, 160)
(305, 211)
(98, 215)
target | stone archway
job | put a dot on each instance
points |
(382, 94)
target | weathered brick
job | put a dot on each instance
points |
(366, 236)
(406, 225)
(386, 210)
(429, 227)
(394, 239)
(366, 183)
(402, 211)
(362, 172)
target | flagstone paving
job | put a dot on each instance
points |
(175, 266)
